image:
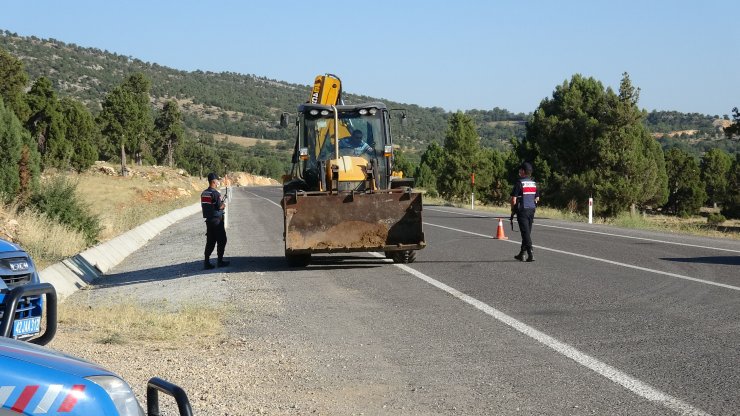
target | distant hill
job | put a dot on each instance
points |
(693, 132)
(227, 102)
(245, 105)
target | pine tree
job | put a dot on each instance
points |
(11, 142)
(430, 166)
(402, 164)
(461, 149)
(169, 129)
(588, 141)
(731, 199)
(733, 130)
(46, 125)
(499, 187)
(13, 81)
(19, 161)
(715, 174)
(126, 120)
(143, 124)
(685, 191)
(81, 132)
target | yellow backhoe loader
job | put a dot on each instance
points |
(342, 194)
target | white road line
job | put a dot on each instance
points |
(625, 380)
(455, 212)
(539, 224)
(616, 263)
(266, 199)
(639, 238)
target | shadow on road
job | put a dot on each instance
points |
(728, 260)
(458, 217)
(471, 262)
(238, 265)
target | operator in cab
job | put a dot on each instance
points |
(354, 145)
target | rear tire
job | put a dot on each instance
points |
(412, 256)
(298, 260)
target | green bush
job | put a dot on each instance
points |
(432, 193)
(58, 200)
(715, 219)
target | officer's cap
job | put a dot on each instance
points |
(526, 167)
(212, 177)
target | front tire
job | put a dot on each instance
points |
(298, 260)
(404, 257)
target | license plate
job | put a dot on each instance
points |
(27, 326)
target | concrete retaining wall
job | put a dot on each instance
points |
(76, 272)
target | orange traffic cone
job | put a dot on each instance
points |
(500, 232)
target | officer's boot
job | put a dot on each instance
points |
(222, 262)
(530, 256)
(520, 256)
(207, 265)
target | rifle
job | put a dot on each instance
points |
(225, 198)
(511, 218)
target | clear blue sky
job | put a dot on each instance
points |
(458, 55)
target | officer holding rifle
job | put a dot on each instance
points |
(213, 207)
(524, 199)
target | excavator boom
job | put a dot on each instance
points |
(327, 90)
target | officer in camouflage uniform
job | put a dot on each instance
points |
(524, 199)
(213, 211)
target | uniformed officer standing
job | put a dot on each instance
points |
(524, 199)
(213, 211)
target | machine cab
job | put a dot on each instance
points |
(364, 145)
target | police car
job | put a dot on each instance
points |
(36, 380)
(17, 269)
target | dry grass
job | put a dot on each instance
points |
(245, 141)
(123, 203)
(125, 320)
(696, 225)
(44, 239)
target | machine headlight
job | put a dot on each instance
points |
(388, 150)
(314, 112)
(363, 111)
(324, 112)
(121, 395)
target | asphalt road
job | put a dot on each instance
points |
(605, 321)
(630, 322)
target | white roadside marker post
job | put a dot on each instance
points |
(590, 210)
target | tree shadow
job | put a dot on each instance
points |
(238, 265)
(465, 261)
(473, 217)
(725, 260)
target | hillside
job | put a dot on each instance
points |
(693, 132)
(224, 103)
(246, 107)
(120, 203)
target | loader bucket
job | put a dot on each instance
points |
(320, 222)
